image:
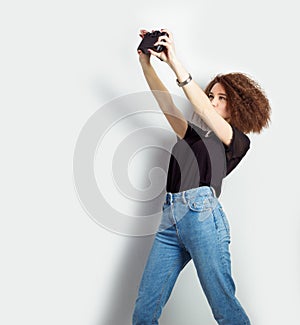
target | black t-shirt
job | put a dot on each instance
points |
(202, 159)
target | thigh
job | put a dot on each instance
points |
(166, 259)
(206, 235)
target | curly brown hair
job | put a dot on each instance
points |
(246, 101)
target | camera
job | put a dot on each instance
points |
(149, 40)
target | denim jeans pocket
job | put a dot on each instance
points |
(202, 205)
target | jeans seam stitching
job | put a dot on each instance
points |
(162, 292)
(222, 257)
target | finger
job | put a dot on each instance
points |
(165, 44)
(166, 38)
(153, 53)
(143, 31)
(158, 55)
(169, 33)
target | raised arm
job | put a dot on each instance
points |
(162, 95)
(201, 103)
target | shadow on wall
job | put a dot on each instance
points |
(124, 283)
(187, 301)
(186, 304)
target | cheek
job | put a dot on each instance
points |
(225, 110)
(224, 107)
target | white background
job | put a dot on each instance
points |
(60, 62)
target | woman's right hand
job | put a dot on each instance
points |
(144, 58)
(167, 55)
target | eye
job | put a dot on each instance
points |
(222, 98)
(210, 96)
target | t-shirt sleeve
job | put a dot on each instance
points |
(237, 149)
(189, 132)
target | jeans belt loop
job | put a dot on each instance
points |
(169, 198)
(183, 197)
(213, 190)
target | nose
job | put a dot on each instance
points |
(214, 102)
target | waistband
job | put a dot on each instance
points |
(202, 191)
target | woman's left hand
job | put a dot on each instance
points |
(168, 54)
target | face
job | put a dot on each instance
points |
(218, 98)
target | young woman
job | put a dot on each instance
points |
(194, 224)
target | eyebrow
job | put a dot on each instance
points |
(218, 93)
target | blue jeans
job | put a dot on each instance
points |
(193, 226)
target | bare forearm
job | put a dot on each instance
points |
(192, 90)
(200, 101)
(158, 89)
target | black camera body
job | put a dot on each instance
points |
(149, 40)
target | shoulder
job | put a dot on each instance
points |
(239, 135)
(239, 144)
